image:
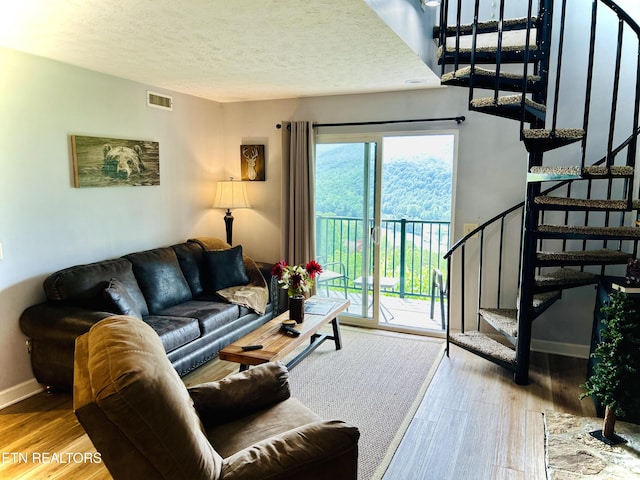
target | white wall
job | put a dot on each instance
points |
(47, 224)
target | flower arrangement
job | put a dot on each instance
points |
(296, 279)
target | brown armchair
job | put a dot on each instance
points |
(146, 424)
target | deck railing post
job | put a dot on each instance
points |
(403, 254)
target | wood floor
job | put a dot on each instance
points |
(474, 423)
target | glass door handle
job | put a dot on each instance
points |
(375, 235)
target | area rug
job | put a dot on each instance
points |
(573, 454)
(376, 382)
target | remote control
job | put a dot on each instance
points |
(290, 331)
(246, 348)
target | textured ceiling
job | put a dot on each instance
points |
(223, 50)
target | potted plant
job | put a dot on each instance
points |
(615, 380)
(297, 280)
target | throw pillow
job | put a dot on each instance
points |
(225, 268)
(122, 299)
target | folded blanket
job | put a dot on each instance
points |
(255, 294)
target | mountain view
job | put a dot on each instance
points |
(416, 183)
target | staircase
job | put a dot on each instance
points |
(580, 129)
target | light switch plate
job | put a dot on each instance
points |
(468, 228)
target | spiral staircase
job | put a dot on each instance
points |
(580, 129)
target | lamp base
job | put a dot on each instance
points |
(228, 221)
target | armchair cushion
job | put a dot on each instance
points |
(309, 451)
(241, 394)
(231, 437)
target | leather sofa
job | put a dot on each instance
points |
(147, 424)
(175, 290)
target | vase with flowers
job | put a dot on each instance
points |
(297, 280)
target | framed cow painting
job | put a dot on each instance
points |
(105, 162)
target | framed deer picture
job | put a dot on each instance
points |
(252, 163)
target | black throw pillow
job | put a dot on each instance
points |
(225, 268)
(118, 293)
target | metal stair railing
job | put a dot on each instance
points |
(486, 243)
(625, 25)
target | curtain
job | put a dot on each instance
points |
(298, 183)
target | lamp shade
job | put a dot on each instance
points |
(230, 195)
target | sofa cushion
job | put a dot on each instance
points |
(160, 278)
(210, 315)
(190, 257)
(127, 299)
(174, 331)
(83, 285)
(225, 268)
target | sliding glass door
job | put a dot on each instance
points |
(347, 219)
(383, 218)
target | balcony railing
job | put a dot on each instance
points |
(409, 250)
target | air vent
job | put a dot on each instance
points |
(156, 100)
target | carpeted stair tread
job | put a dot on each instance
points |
(485, 78)
(506, 100)
(513, 49)
(566, 203)
(541, 133)
(502, 319)
(463, 50)
(542, 301)
(573, 172)
(486, 26)
(564, 278)
(613, 170)
(509, 106)
(603, 256)
(485, 347)
(543, 140)
(578, 231)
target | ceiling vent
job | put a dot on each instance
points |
(157, 100)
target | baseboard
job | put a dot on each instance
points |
(19, 392)
(558, 348)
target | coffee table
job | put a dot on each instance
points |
(276, 345)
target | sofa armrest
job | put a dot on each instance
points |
(325, 449)
(60, 323)
(241, 393)
(265, 268)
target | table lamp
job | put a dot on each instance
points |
(230, 194)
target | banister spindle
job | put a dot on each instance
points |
(587, 104)
(474, 39)
(456, 64)
(556, 96)
(496, 90)
(480, 262)
(614, 101)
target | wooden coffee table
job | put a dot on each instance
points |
(276, 345)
